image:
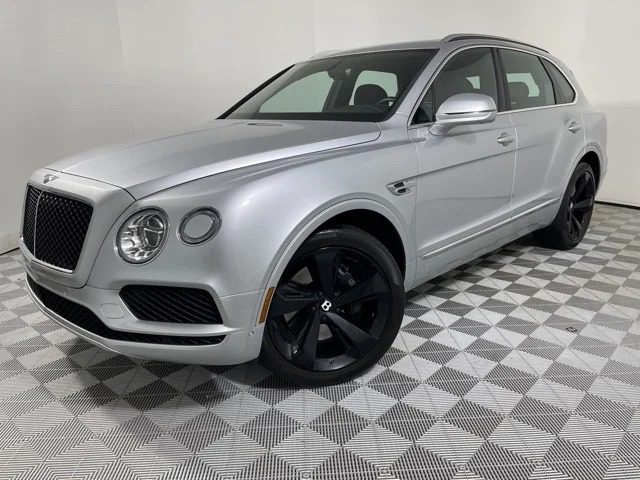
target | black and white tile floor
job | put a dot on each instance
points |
(524, 364)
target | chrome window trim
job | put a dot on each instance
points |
(444, 62)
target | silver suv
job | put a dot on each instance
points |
(291, 227)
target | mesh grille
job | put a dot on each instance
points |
(29, 223)
(55, 227)
(170, 304)
(84, 318)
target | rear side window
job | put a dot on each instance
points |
(470, 71)
(528, 84)
(563, 89)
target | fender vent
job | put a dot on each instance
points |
(402, 187)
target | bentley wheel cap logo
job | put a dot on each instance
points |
(326, 305)
(49, 178)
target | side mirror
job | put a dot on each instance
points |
(464, 109)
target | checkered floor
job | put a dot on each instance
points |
(524, 364)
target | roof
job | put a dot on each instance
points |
(452, 40)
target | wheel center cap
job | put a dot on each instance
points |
(326, 305)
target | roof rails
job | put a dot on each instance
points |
(476, 36)
(325, 53)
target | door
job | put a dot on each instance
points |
(465, 177)
(548, 125)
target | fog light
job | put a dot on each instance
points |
(199, 226)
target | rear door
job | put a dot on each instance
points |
(548, 125)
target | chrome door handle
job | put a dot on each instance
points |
(506, 139)
(574, 127)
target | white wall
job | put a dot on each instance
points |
(596, 38)
(79, 73)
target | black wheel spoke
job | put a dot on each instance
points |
(359, 339)
(299, 321)
(368, 288)
(575, 223)
(306, 344)
(585, 204)
(289, 298)
(581, 185)
(329, 309)
(322, 268)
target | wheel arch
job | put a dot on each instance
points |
(376, 225)
(591, 155)
(391, 231)
(592, 158)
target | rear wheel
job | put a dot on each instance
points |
(336, 310)
(571, 223)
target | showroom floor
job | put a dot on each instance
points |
(523, 364)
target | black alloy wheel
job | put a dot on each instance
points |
(336, 310)
(580, 205)
(572, 221)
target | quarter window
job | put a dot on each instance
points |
(470, 71)
(564, 90)
(528, 84)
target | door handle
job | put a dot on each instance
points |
(574, 127)
(505, 139)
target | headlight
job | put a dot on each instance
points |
(199, 226)
(142, 236)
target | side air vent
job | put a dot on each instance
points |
(402, 187)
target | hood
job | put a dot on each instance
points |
(148, 166)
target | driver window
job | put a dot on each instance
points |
(372, 86)
(470, 71)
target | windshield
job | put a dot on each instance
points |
(363, 87)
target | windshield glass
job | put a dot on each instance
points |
(363, 87)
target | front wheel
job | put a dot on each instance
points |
(571, 223)
(336, 311)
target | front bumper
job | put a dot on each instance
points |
(238, 346)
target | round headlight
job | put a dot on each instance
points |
(199, 226)
(142, 236)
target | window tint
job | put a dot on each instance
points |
(348, 87)
(305, 95)
(470, 71)
(387, 81)
(562, 87)
(528, 84)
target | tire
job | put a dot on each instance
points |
(572, 221)
(336, 311)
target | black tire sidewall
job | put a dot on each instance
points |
(367, 244)
(556, 235)
(560, 219)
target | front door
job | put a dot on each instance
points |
(465, 177)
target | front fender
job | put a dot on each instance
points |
(266, 215)
(294, 241)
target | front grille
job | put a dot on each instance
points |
(170, 304)
(84, 318)
(55, 227)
